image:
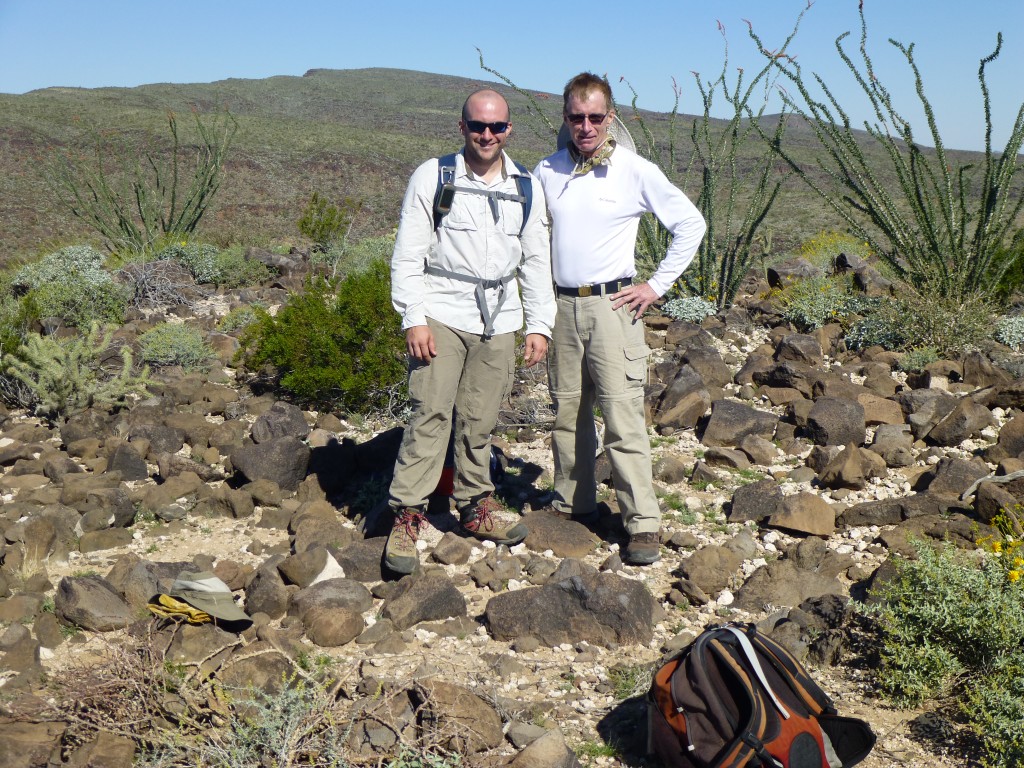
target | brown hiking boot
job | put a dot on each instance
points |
(400, 554)
(488, 520)
(644, 548)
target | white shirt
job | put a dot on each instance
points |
(595, 218)
(479, 237)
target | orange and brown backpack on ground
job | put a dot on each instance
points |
(734, 698)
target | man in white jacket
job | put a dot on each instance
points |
(596, 193)
(468, 265)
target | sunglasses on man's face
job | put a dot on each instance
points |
(595, 119)
(479, 126)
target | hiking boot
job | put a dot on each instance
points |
(644, 548)
(400, 554)
(488, 520)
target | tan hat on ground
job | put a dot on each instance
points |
(208, 593)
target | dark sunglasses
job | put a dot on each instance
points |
(595, 119)
(479, 126)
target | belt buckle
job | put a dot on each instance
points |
(585, 290)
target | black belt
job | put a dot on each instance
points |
(597, 289)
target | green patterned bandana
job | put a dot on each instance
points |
(585, 165)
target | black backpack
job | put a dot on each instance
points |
(734, 697)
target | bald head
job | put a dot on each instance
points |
(484, 96)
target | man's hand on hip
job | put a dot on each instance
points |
(637, 297)
(419, 342)
(536, 348)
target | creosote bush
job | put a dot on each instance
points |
(175, 344)
(920, 319)
(812, 302)
(340, 347)
(916, 359)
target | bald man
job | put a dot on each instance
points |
(470, 265)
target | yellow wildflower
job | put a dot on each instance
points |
(1013, 575)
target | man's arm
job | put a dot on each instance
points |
(680, 217)
(415, 230)
(535, 279)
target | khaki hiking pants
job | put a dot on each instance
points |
(599, 357)
(472, 376)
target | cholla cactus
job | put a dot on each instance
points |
(66, 376)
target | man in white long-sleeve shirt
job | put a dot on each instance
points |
(468, 265)
(596, 193)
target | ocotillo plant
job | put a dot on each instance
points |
(734, 208)
(132, 198)
(942, 225)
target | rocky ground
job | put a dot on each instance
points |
(789, 471)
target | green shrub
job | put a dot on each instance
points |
(207, 264)
(917, 319)
(692, 309)
(340, 260)
(342, 349)
(812, 302)
(884, 326)
(995, 706)
(66, 375)
(236, 271)
(14, 323)
(823, 249)
(175, 344)
(916, 359)
(80, 305)
(75, 262)
(327, 224)
(238, 319)
(198, 258)
(1010, 331)
(951, 623)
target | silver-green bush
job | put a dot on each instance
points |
(1010, 331)
(692, 309)
(175, 344)
(72, 285)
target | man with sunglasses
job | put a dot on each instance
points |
(466, 270)
(596, 193)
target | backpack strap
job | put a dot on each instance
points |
(755, 665)
(524, 183)
(446, 178)
(481, 286)
(808, 691)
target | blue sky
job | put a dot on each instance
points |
(538, 44)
